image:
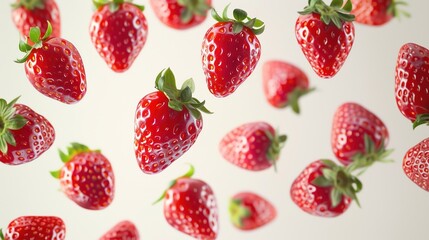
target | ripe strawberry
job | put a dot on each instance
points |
(284, 84)
(124, 230)
(24, 134)
(325, 35)
(54, 66)
(35, 227)
(416, 164)
(87, 177)
(249, 211)
(230, 51)
(376, 12)
(181, 14)
(167, 123)
(411, 82)
(118, 31)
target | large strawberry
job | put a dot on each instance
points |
(411, 82)
(35, 228)
(86, 177)
(376, 12)
(54, 66)
(24, 134)
(167, 123)
(230, 51)
(118, 30)
(253, 146)
(416, 164)
(249, 211)
(124, 230)
(181, 14)
(325, 35)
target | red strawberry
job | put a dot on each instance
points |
(325, 35)
(124, 230)
(411, 82)
(284, 84)
(118, 31)
(87, 177)
(54, 66)
(35, 227)
(376, 12)
(249, 211)
(24, 134)
(181, 14)
(167, 123)
(416, 164)
(253, 146)
(230, 51)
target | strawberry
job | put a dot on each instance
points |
(376, 12)
(283, 84)
(249, 211)
(230, 51)
(124, 230)
(35, 227)
(167, 123)
(118, 30)
(181, 14)
(24, 134)
(87, 177)
(411, 82)
(254, 146)
(54, 66)
(416, 164)
(325, 35)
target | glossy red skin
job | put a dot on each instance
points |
(246, 146)
(36, 227)
(279, 79)
(88, 180)
(412, 80)
(120, 36)
(32, 140)
(350, 123)
(228, 59)
(313, 199)
(416, 164)
(124, 230)
(25, 19)
(327, 51)
(190, 206)
(169, 12)
(371, 12)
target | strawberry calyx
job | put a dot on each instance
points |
(295, 95)
(240, 20)
(9, 120)
(337, 12)
(37, 41)
(1, 234)
(397, 12)
(277, 143)
(114, 4)
(188, 174)
(238, 212)
(191, 8)
(29, 4)
(421, 119)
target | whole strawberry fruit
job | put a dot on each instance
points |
(376, 12)
(249, 211)
(124, 230)
(416, 164)
(181, 14)
(87, 177)
(253, 146)
(167, 123)
(325, 35)
(118, 30)
(35, 227)
(24, 134)
(230, 51)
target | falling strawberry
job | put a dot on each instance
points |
(416, 164)
(376, 12)
(325, 35)
(284, 84)
(411, 82)
(167, 123)
(124, 230)
(24, 134)
(118, 30)
(181, 14)
(35, 227)
(87, 177)
(249, 211)
(54, 66)
(230, 51)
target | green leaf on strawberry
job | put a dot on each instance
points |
(9, 121)
(337, 12)
(240, 20)
(37, 42)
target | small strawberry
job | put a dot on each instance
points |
(167, 123)
(411, 82)
(54, 66)
(230, 51)
(325, 35)
(118, 30)
(249, 211)
(284, 84)
(416, 164)
(376, 12)
(87, 177)
(181, 14)
(35, 228)
(254, 146)
(124, 230)
(24, 134)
